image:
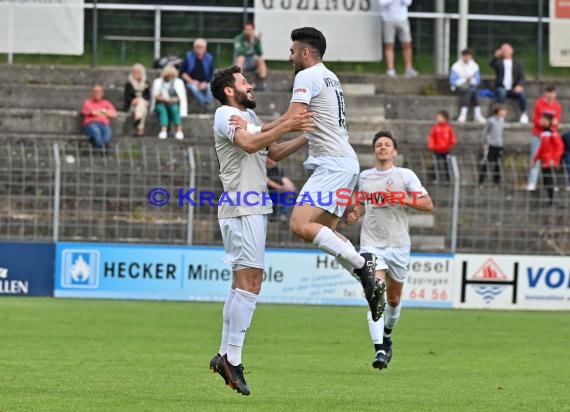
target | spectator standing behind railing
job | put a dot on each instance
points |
(394, 16)
(169, 101)
(197, 71)
(550, 150)
(509, 78)
(493, 145)
(465, 79)
(440, 142)
(137, 97)
(97, 112)
(545, 104)
(248, 54)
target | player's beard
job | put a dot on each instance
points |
(243, 100)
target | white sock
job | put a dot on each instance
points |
(376, 329)
(241, 312)
(330, 243)
(392, 315)
(463, 112)
(345, 263)
(226, 323)
(478, 111)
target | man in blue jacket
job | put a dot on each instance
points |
(197, 71)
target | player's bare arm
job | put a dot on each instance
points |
(422, 203)
(294, 109)
(252, 143)
(279, 151)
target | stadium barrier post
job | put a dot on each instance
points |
(192, 184)
(455, 209)
(56, 191)
(157, 30)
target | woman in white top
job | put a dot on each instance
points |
(169, 101)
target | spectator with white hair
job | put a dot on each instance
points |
(169, 101)
(197, 71)
(137, 96)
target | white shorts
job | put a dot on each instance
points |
(393, 259)
(321, 190)
(400, 28)
(244, 240)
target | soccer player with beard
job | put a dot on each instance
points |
(331, 158)
(242, 155)
(385, 232)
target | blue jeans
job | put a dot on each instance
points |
(501, 95)
(203, 97)
(534, 171)
(99, 133)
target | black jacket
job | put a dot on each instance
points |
(130, 94)
(518, 72)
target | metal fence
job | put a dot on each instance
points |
(70, 191)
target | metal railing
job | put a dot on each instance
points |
(70, 191)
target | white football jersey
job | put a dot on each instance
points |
(320, 89)
(386, 225)
(240, 172)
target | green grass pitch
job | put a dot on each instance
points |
(83, 355)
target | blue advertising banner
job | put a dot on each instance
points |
(26, 269)
(198, 273)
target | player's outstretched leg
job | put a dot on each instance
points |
(233, 375)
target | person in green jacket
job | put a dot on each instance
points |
(248, 54)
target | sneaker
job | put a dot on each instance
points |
(523, 119)
(367, 277)
(179, 135)
(461, 119)
(391, 73)
(378, 303)
(162, 135)
(380, 361)
(233, 375)
(215, 366)
(531, 187)
(480, 119)
(410, 73)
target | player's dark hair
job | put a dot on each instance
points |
(223, 78)
(550, 89)
(498, 107)
(385, 133)
(311, 37)
(468, 51)
(444, 114)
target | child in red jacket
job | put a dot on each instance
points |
(440, 142)
(549, 152)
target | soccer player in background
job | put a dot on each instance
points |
(242, 155)
(385, 232)
(331, 158)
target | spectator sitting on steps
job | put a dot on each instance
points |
(197, 72)
(97, 112)
(137, 96)
(465, 80)
(169, 101)
(509, 79)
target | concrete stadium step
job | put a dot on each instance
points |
(198, 128)
(277, 80)
(359, 107)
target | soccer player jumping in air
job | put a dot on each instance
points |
(385, 233)
(242, 153)
(332, 159)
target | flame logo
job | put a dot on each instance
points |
(80, 271)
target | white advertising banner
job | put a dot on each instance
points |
(559, 33)
(512, 282)
(351, 27)
(41, 26)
